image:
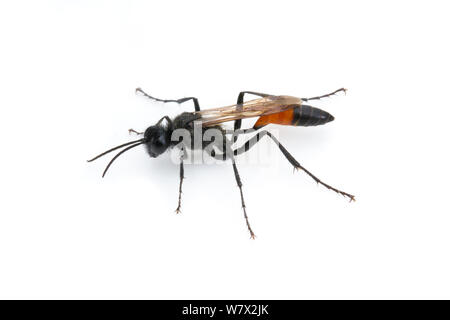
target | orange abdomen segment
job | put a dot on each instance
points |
(302, 115)
(283, 118)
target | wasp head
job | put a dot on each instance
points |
(157, 139)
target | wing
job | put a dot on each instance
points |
(250, 109)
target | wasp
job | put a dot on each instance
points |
(268, 109)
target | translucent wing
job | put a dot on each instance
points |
(250, 109)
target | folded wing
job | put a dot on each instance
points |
(253, 108)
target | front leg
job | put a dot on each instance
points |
(183, 155)
(130, 131)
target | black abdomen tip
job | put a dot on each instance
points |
(307, 116)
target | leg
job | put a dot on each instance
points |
(240, 101)
(239, 183)
(250, 143)
(169, 122)
(236, 133)
(196, 104)
(229, 155)
(325, 95)
(130, 131)
(255, 139)
(178, 209)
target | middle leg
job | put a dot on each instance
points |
(228, 154)
(195, 100)
(239, 183)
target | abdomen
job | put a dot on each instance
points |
(300, 115)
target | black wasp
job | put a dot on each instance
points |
(282, 110)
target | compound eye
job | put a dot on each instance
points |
(161, 141)
(159, 144)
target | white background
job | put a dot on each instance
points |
(68, 70)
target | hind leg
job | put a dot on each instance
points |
(256, 138)
(325, 95)
(240, 101)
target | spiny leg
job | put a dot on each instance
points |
(325, 95)
(239, 183)
(297, 166)
(229, 155)
(255, 139)
(178, 209)
(195, 100)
